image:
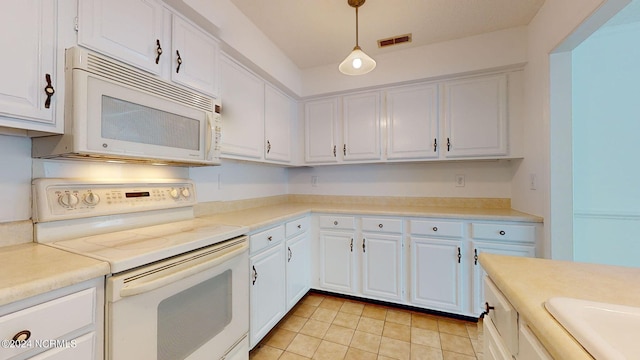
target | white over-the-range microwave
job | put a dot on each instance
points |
(115, 112)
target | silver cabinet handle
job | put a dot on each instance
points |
(335, 223)
(364, 245)
(502, 232)
(290, 254)
(351, 245)
(459, 255)
(435, 228)
(380, 226)
(270, 238)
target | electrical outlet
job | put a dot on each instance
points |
(219, 181)
(314, 181)
(533, 181)
(460, 180)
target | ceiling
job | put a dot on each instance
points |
(322, 32)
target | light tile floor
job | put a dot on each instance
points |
(331, 328)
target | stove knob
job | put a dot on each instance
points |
(174, 193)
(91, 199)
(186, 193)
(68, 200)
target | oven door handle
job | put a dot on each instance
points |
(141, 285)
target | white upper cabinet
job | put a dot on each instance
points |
(361, 127)
(242, 95)
(128, 30)
(279, 112)
(412, 122)
(464, 118)
(195, 57)
(321, 126)
(475, 117)
(28, 66)
(256, 117)
(145, 34)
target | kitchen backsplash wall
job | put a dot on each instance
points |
(489, 179)
(15, 178)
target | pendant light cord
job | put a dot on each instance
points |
(357, 45)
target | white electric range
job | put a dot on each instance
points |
(179, 284)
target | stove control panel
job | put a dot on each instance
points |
(59, 199)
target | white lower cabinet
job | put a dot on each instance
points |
(506, 334)
(436, 266)
(337, 261)
(361, 256)
(496, 238)
(279, 274)
(298, 255)
(63, 324)
(267, 286)
(382, 266)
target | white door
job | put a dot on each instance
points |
(361, 127)
(382, 266)
(337, 261)
(475, 117)
(436, 274)
(194, 57)
(279, 112)
(298, 268)
(242, 96)
(412, 122)
(28, 60)
(321, 126)
(478, 273)
(128, 30)
(267, 292)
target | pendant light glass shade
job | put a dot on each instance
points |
(357, 63)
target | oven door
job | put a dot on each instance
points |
(193, 306)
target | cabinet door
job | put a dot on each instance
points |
(321, 124)
(128, 30)
(194, 57)
(242, 95)
(475, 117)
(478, 272)
(494, 347)
(337, 261)
(412, 122)
(298, 269)
(435, 274)
(279, 112)
(29, 57)
(382, 266)
(361, 127)
(267, 292)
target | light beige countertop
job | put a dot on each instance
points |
(33, 269)
(260, 217)
(529, 282)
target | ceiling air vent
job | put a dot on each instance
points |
(400, 39)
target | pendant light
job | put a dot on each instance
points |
(357, 63)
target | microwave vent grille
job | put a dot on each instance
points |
(141, 81)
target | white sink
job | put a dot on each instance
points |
(606, 331)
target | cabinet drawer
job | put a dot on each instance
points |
(503, 316)
(296, 226)
(505, 232)
(438, 228)
(265, 239)
(49, 320)
(382, 225)
(337, 222)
